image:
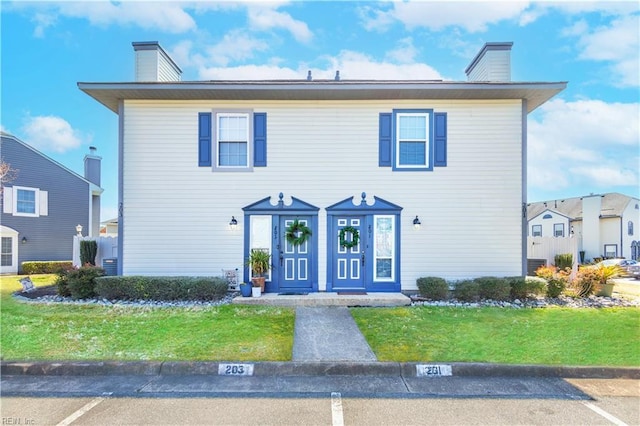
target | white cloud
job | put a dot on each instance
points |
(263, 17)
(586, 143)
(472, 16)
(236, 45)
(164, 16)
(405, 53)
(51, 133)
(352, 66)
(617, 43)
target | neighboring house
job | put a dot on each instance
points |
(212, 169)
(109, 228)
(603, 225)
(45, 202)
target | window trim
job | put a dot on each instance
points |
(36, 192)
(248, 113)
(615, 246)
(533, 230)
(555, 231)
(396, 114)
(392, 258)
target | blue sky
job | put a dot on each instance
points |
(584, 140)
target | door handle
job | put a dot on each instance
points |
(363, 258)
(281, 259)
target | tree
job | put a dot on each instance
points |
(7, 174)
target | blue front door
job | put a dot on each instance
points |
(349, 258)
(295, 263)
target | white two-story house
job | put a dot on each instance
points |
(389, 180)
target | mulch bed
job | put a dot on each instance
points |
(49, 290)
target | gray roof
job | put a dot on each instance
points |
(613, 204)
(8, 136)
(109, 94)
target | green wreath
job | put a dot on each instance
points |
(297, 233)
(355, 237)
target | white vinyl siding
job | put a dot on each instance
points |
(177, 214)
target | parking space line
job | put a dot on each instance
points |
(604, 414)
(84, 409)
(336, 409)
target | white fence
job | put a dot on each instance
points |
(548, 247)
(107, 248)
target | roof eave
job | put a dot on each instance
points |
(109, 94)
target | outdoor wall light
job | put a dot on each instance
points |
(24, 240)
(233, 224)
(416, 223)
(79, 230)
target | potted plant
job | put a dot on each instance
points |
(245, 289)
(259, 261)
(606, 272)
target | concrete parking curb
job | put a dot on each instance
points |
(404, 369)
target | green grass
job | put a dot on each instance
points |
(72, 332)
(606, 337)
(554, 336)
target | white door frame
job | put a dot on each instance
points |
(6, 232)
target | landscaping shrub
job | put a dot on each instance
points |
(557, 280)
(88, 251)
(586, 282)
(526, 287)
(46, 267)
(161, 288)
(493, 288)
(467, 291)
(80, 283)
(61, 284)
(563, 261)
(433, 288)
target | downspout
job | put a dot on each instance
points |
(621, 239)
(120, 186)
(523, 238)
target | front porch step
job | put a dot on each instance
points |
(326, 299)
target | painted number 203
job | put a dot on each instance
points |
(235, 369)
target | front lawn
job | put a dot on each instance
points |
(33, 331)
(72, 332)
(556, 336)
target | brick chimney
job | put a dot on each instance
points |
(153, 63)
(492, 63)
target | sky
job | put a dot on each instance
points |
(584, 140)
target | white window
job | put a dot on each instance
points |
(25, 201)
(232, 140)
(260, 236)
(6, 255)
(536, 231)
(384, 248)
(558, 229)
(412, 140)
(610, 250)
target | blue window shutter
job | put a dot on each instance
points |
(384, 142)
(260, 139)
(204, 139)
(440, 139)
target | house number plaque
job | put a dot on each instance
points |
(235, 369)
(426, 370)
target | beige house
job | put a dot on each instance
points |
(595, 226)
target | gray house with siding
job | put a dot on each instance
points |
(43, 204)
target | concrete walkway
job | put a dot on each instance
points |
(328, 334)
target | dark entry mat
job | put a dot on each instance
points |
(352, 293)
(292, 293)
